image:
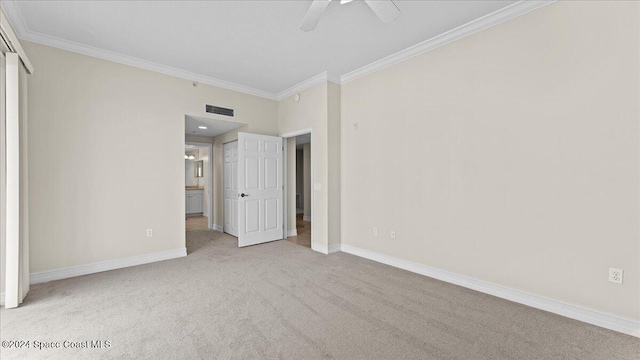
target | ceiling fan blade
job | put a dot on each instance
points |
(386, 10)
(313, 15)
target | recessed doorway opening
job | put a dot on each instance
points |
(198, 181)
(201, 171)
(299, 192)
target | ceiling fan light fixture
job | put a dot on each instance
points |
(386, 11)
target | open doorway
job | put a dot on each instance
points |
(202, 170)
(198, 175)
(299, 192)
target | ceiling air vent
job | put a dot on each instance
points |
(219, 110)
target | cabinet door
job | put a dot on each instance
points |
(188, 204)
(196, 203)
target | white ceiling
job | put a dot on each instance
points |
(255, 44)
(214, 127)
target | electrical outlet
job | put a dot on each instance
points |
(375, 231)
(149, 232)
(616, 275)
(393, 234)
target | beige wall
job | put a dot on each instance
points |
(510, 156)
(106, 146)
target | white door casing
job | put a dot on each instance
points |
(11, 106)
(231, 188)
(260, 189)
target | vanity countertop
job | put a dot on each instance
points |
(194, 187)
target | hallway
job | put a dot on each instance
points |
(197, 223)
(304, 232)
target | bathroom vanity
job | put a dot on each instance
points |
(194, 200)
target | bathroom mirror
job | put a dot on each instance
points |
(199, 168)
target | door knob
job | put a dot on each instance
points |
(243, 195)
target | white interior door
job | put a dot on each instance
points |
(260, 189)
(231, 188)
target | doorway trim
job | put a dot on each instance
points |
(286, 136)
(209, 147)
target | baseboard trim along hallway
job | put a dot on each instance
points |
(589, 316)
(64, 273)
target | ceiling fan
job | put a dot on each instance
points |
(385, 9)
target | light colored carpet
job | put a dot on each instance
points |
(281, 300)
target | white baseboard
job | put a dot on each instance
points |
(593, 317)
(293, 232)
(57, 274)
(321, 248)
(217, 228)
(306, 218)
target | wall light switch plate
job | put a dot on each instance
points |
(317, 186)
(375, 231)
(149, 232)
(393, 234)
(616, 275)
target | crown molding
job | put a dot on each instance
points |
(313, 81)
(472, 27)
(24, 33)
(142, 64)
(509, 12)
(10, 38)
